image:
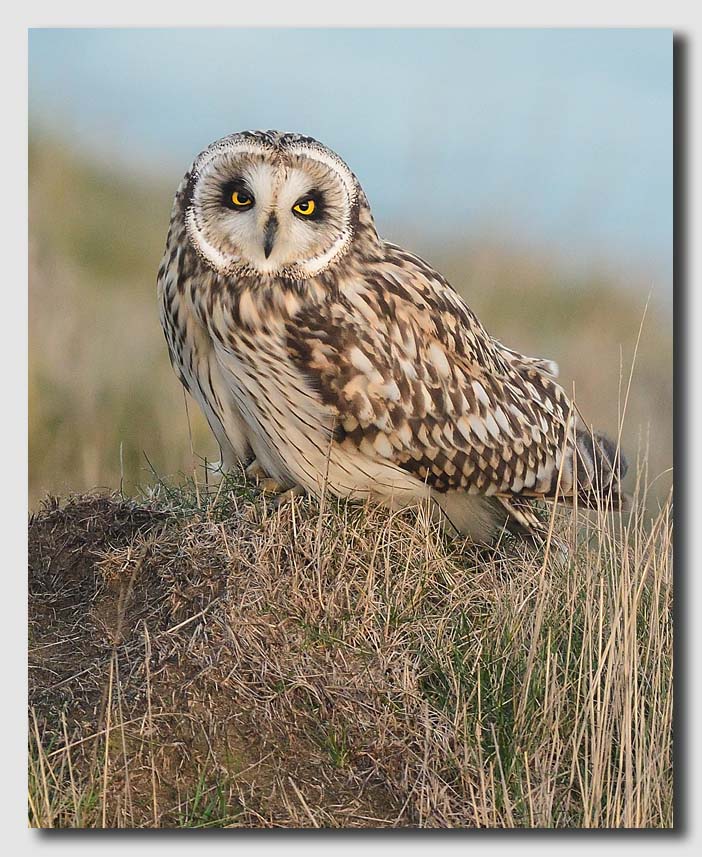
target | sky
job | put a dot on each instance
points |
(556, 140)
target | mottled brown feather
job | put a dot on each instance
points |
(411, 373)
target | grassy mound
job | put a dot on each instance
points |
(203, 659)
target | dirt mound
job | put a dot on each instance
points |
(140, 664)
(203, 659)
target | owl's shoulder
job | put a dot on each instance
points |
(408, 302)
(388, 323)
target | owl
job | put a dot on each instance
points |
(329, 360)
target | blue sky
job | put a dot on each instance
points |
(556, 139)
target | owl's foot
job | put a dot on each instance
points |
(255, 472)
(271, 486)
(286, 496)
(282, 492)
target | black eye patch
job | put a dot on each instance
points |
(237, 196)
(301, 205)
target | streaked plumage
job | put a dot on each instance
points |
(333, 357)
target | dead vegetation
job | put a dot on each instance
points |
(201, 659)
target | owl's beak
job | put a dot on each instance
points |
(269, 233)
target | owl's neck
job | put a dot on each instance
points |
(257, 303)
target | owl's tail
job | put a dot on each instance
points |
(600, 468)
(593, 470)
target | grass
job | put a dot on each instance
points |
(201, 659)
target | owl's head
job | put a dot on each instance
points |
(271, 204)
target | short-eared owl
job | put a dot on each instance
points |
(329, 357)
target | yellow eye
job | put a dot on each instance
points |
(241, 199)
(306, 207)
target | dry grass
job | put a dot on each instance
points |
(199, 658)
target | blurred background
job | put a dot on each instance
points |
(546, 156)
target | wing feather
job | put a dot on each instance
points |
(412, 376)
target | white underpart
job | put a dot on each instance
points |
(290, 432)
(477, 517)
(224, 421)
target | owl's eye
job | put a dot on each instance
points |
(306, 207)
(241, 199)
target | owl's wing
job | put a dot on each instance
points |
(542, 364)
(411, 376)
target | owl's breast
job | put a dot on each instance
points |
(288, 426)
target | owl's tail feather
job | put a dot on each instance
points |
(601, 466)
